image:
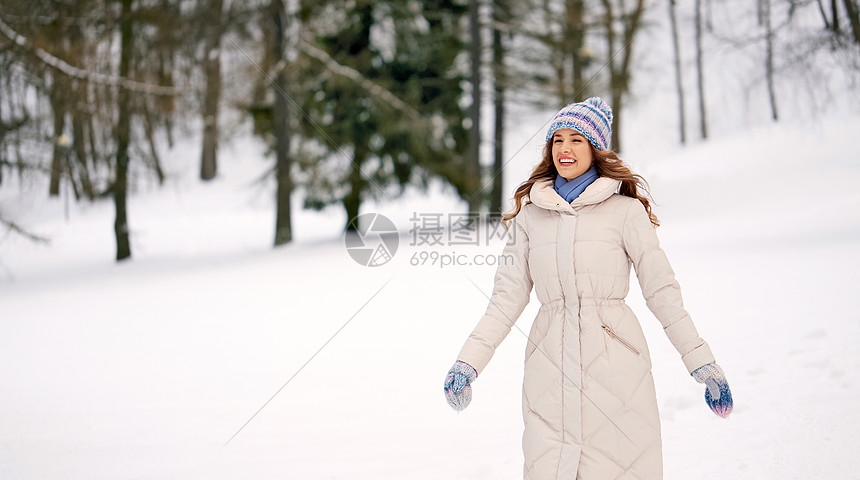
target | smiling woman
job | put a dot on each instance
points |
(571, 153)
(572, 157)
(589, 404)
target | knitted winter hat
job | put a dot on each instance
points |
(592, 118)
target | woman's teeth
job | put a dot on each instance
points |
(566, 161)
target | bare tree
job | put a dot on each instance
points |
(852, 11)
(561, 30)
(123, 135)
(831, 23)
(474, 162)
(620, 70)
(834, 9)
(212, 70)
(574, 46)
(58, 111)
(80, 93)
(764, 17)
(58, 98)
(700, 71)
(501, 14)
(283, 223)
(679, 83)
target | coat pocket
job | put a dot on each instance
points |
(620, 340)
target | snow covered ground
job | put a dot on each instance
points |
(145, 370)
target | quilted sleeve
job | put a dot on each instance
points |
(661, 291)
(511, 291)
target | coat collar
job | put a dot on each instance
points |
(544, 195)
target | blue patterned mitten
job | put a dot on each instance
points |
(458, 392)
(717, 395)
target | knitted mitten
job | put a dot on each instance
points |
(458, 392)
(717, 395)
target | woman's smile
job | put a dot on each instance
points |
(571, 153)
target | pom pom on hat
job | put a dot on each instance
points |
(592, 118)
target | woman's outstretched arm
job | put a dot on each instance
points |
(661, 291)
(511, 291)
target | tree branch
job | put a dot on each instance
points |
(389, 98)
(81, 74)
(14, 227)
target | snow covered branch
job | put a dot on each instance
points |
(14, 227)
(81, 74)
(386, 96)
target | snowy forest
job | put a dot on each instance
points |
(356, 100)
(180, 181)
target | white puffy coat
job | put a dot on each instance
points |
(589, 404)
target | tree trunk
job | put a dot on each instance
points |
(632, 22)
(617, 111)
(212, 69)
(769, 73)
(149, 131)
(853, 14)
(167, 103)
(823, 15)
(80, 145)
(80, 95)
(473, 167)
(58, 98)
(700, 74)
(352, 200)
(283, 222)
(679, 83)
(560, 79)
(267, 60)
(120, 186)
(556, 52)
(834, 10)
(620, 72)
(613, 75)
(59, 125)
(69, 169)
(499, 79)
(3, 161)
(575, 40)
(95, 155)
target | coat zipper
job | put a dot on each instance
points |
(620, 340)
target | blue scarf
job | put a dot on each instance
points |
(570, 189)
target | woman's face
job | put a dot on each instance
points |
(571, 153)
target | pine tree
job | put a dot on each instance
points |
(381, 110)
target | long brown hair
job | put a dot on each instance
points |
(607, 164)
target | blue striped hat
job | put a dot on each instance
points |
(592, 118)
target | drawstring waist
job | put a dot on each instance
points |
(589, 301)
(601, 301)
